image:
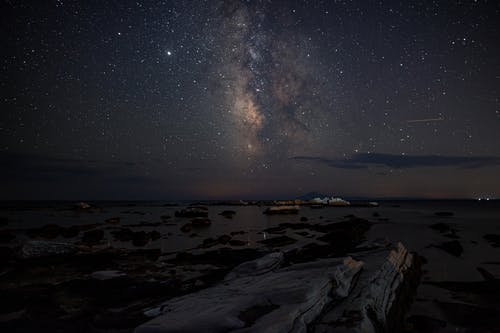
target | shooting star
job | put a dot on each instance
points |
(427, 120)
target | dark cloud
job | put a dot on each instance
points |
(31, 167)
(364, 160)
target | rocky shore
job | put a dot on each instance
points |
(303, 272)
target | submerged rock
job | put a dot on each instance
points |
(275, 210)
(93, 237)
(228, 213)
(113, 220)
(190, 212)
(201, 222)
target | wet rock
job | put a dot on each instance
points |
(282, 210)
(113, 220)
(493, 239)
(234, 233)
(165, 217)
(228, 213)
(187, 227)
(452, 247)
(487, 276)
(209, 242)
(70, 232)
(138, 238)
(84, 207)
(303, 219)
(278, 241)
(51, 231)
(107, 275)
(224, 239)
(376, 214)
(93, 237)
(190, 212)
(201, 222)
(38, 249)
(237, 242)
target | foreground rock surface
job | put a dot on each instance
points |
(325, 295)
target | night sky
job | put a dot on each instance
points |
(249, 99)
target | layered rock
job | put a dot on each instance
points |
(337, 294)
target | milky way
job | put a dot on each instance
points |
(232, 99)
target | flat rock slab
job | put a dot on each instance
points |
(264, 296)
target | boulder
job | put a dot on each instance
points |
(37, 249)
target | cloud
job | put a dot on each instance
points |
(15, 167)
(364, 160)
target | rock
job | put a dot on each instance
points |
(493, 239)
(93, 237)
(270, 299)
(37, 249)
(444, 214)
(237, 242)
(187, 227)
(209, 242)
(259, 266)
(51, 231)
(82, 205)
(233, 233)
(452, 247)
(165, 217)
(113, 220)
(138, 238)
(275, 210)
(380, 297)
(278, 241)
(70, 232)
(85, 207)
(303, 219)
(487, 276)
(376, 214)
(107, 275)
(201, 222)
(224, 239)
(190, 212)
(328, 295)
(228, 213)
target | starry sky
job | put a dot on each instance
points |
(249, 99)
